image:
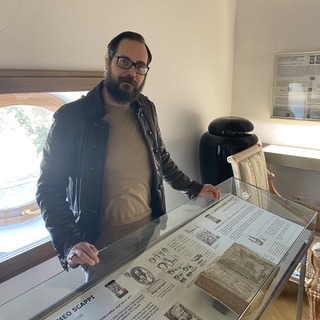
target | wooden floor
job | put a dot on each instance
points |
(284, 308)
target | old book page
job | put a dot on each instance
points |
(236, 277)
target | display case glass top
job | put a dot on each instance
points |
(151, 273)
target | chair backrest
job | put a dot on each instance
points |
(250, 166)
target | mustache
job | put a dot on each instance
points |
(129, 80)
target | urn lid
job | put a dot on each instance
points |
(230, 126)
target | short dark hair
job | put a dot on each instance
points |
(114, 43)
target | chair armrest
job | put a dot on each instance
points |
(272, 188)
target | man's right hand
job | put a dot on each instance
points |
(83, 253)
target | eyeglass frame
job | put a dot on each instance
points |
(135, 64)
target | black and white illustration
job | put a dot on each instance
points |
(203, 234)
(149, 280)
(179, 312)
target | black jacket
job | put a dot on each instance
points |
(71, 180)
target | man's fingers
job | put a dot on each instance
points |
(82, 258)
(217, 193)
(83, 253)
(211, 191)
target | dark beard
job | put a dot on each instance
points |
(124, 94)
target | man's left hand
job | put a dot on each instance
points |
(210, 191)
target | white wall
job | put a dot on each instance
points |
(262, 29)
(192, 42)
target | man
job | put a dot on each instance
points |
(106, 150)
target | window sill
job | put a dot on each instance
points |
(26, 259)
(16, 258)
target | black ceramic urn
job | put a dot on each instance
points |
(225, 136)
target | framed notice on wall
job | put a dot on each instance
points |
(296, 86)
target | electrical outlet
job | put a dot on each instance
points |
(301, 199)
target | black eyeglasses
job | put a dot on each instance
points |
(126, 63)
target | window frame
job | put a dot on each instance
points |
(39, 100)
(37, 81)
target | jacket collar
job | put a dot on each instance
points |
(95, 102)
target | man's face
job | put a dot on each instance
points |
(124, 85)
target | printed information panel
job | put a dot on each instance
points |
(296, 86)
(159, 284)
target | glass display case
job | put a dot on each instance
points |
(151, 273)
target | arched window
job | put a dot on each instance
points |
(25, 120)
(28, 99)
